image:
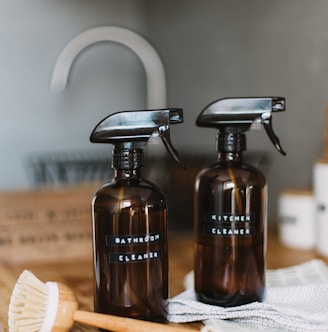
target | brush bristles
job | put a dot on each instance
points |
(28, 303)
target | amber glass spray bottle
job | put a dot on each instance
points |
(230, 206)
(130, 219)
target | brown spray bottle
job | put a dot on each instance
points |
(230, 207)
(130, 219)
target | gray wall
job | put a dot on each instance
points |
(105, 78)
(215, 49)
(210, 49)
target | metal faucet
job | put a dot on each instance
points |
(155, 74)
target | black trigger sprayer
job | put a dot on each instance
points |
(230, 208)
(130, 219)
(236, 115)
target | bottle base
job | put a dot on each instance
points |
(228, 301)
(135, 313)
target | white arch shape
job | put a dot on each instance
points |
(155, 74)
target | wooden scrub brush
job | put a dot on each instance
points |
(43, 307)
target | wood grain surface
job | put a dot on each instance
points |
(78, 275)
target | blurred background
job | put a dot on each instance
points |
(210, 49)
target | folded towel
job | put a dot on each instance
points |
(296, 299)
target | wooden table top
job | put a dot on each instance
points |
(79, 276)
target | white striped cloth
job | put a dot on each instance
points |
(296, 299)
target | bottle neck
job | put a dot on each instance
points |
(230, 145)
(230, 156)
(123, 174)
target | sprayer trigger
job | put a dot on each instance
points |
(267, 123)
(165, 136)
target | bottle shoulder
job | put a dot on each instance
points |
(225, 171)
(138, 190)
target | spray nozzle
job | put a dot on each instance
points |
(230, 114)
(132, 129)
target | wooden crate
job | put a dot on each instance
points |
(46, 224)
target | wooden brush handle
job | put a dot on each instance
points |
(68, 313)
(123, 324)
